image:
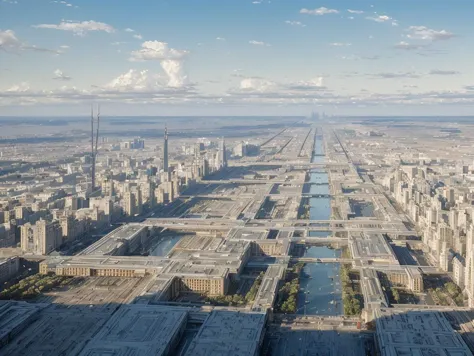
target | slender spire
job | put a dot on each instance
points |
(94, 142)
(92, 148)
(97, 132)
(223, 158)
(165, 151)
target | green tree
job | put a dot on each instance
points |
(396, 295)
(452, 288)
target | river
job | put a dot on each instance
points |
(320, 285)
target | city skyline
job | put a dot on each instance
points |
(239, 178)
(237, 236)
(253, 57)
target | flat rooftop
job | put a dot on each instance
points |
(154, 263)
(369, 246)
(239, 234)
(319, 342)
(155, 290)
(138, 330)
(418, 333)
(197, 269)
(268, 288)
(113, 241)
(126, 232)
(15, 316)
(197, 243)
(210, 248)
(374, 297)
(229, 333)
(59, 330)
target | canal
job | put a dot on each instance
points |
(320, 284)
(163, 246)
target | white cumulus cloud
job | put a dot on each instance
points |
(320, 11)
(340, 44)
(425, 33)
(135, 80)
(312, 84)
(355, 11)
(295, 23)
(79, 28)
(259, 43)
(443, 72)
(171, 60)
(408, 46)
(175, 71)
(64, 3)
(59, 75)
(156, 50)
(380, 18)
(19, 88)
(10, 43)
(257, 84)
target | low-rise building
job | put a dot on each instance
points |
(139, 330)
(415, 332)
(229, 333)
(9, 267)
(126, 239)
(410, 278)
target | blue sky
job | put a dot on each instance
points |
(236, 57)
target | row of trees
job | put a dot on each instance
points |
(455, 293)
(236, 299)
(287, 295)
(226, 300)
(304, 210)
(352, 301)
(32, 286)
(252, 293)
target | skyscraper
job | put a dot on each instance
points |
(165, 151)
(222, 154)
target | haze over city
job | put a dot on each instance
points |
(239, 178)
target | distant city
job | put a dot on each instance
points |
(236, 178)
(345, 235)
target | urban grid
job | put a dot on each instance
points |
(282, 178)
(275, 243)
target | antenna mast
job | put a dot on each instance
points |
(96, 140)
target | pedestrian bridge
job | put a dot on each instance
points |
(322, 260)
(319, 240)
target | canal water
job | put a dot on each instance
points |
(320, 284)
(164, 245)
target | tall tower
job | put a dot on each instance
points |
(94, 141)
(165, 151)
(223, 157)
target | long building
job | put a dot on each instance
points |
(126, 239)
(414, 332)
(199, 276)
(140, 330)
(229, 333)
(9, 267)
(130, 329)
